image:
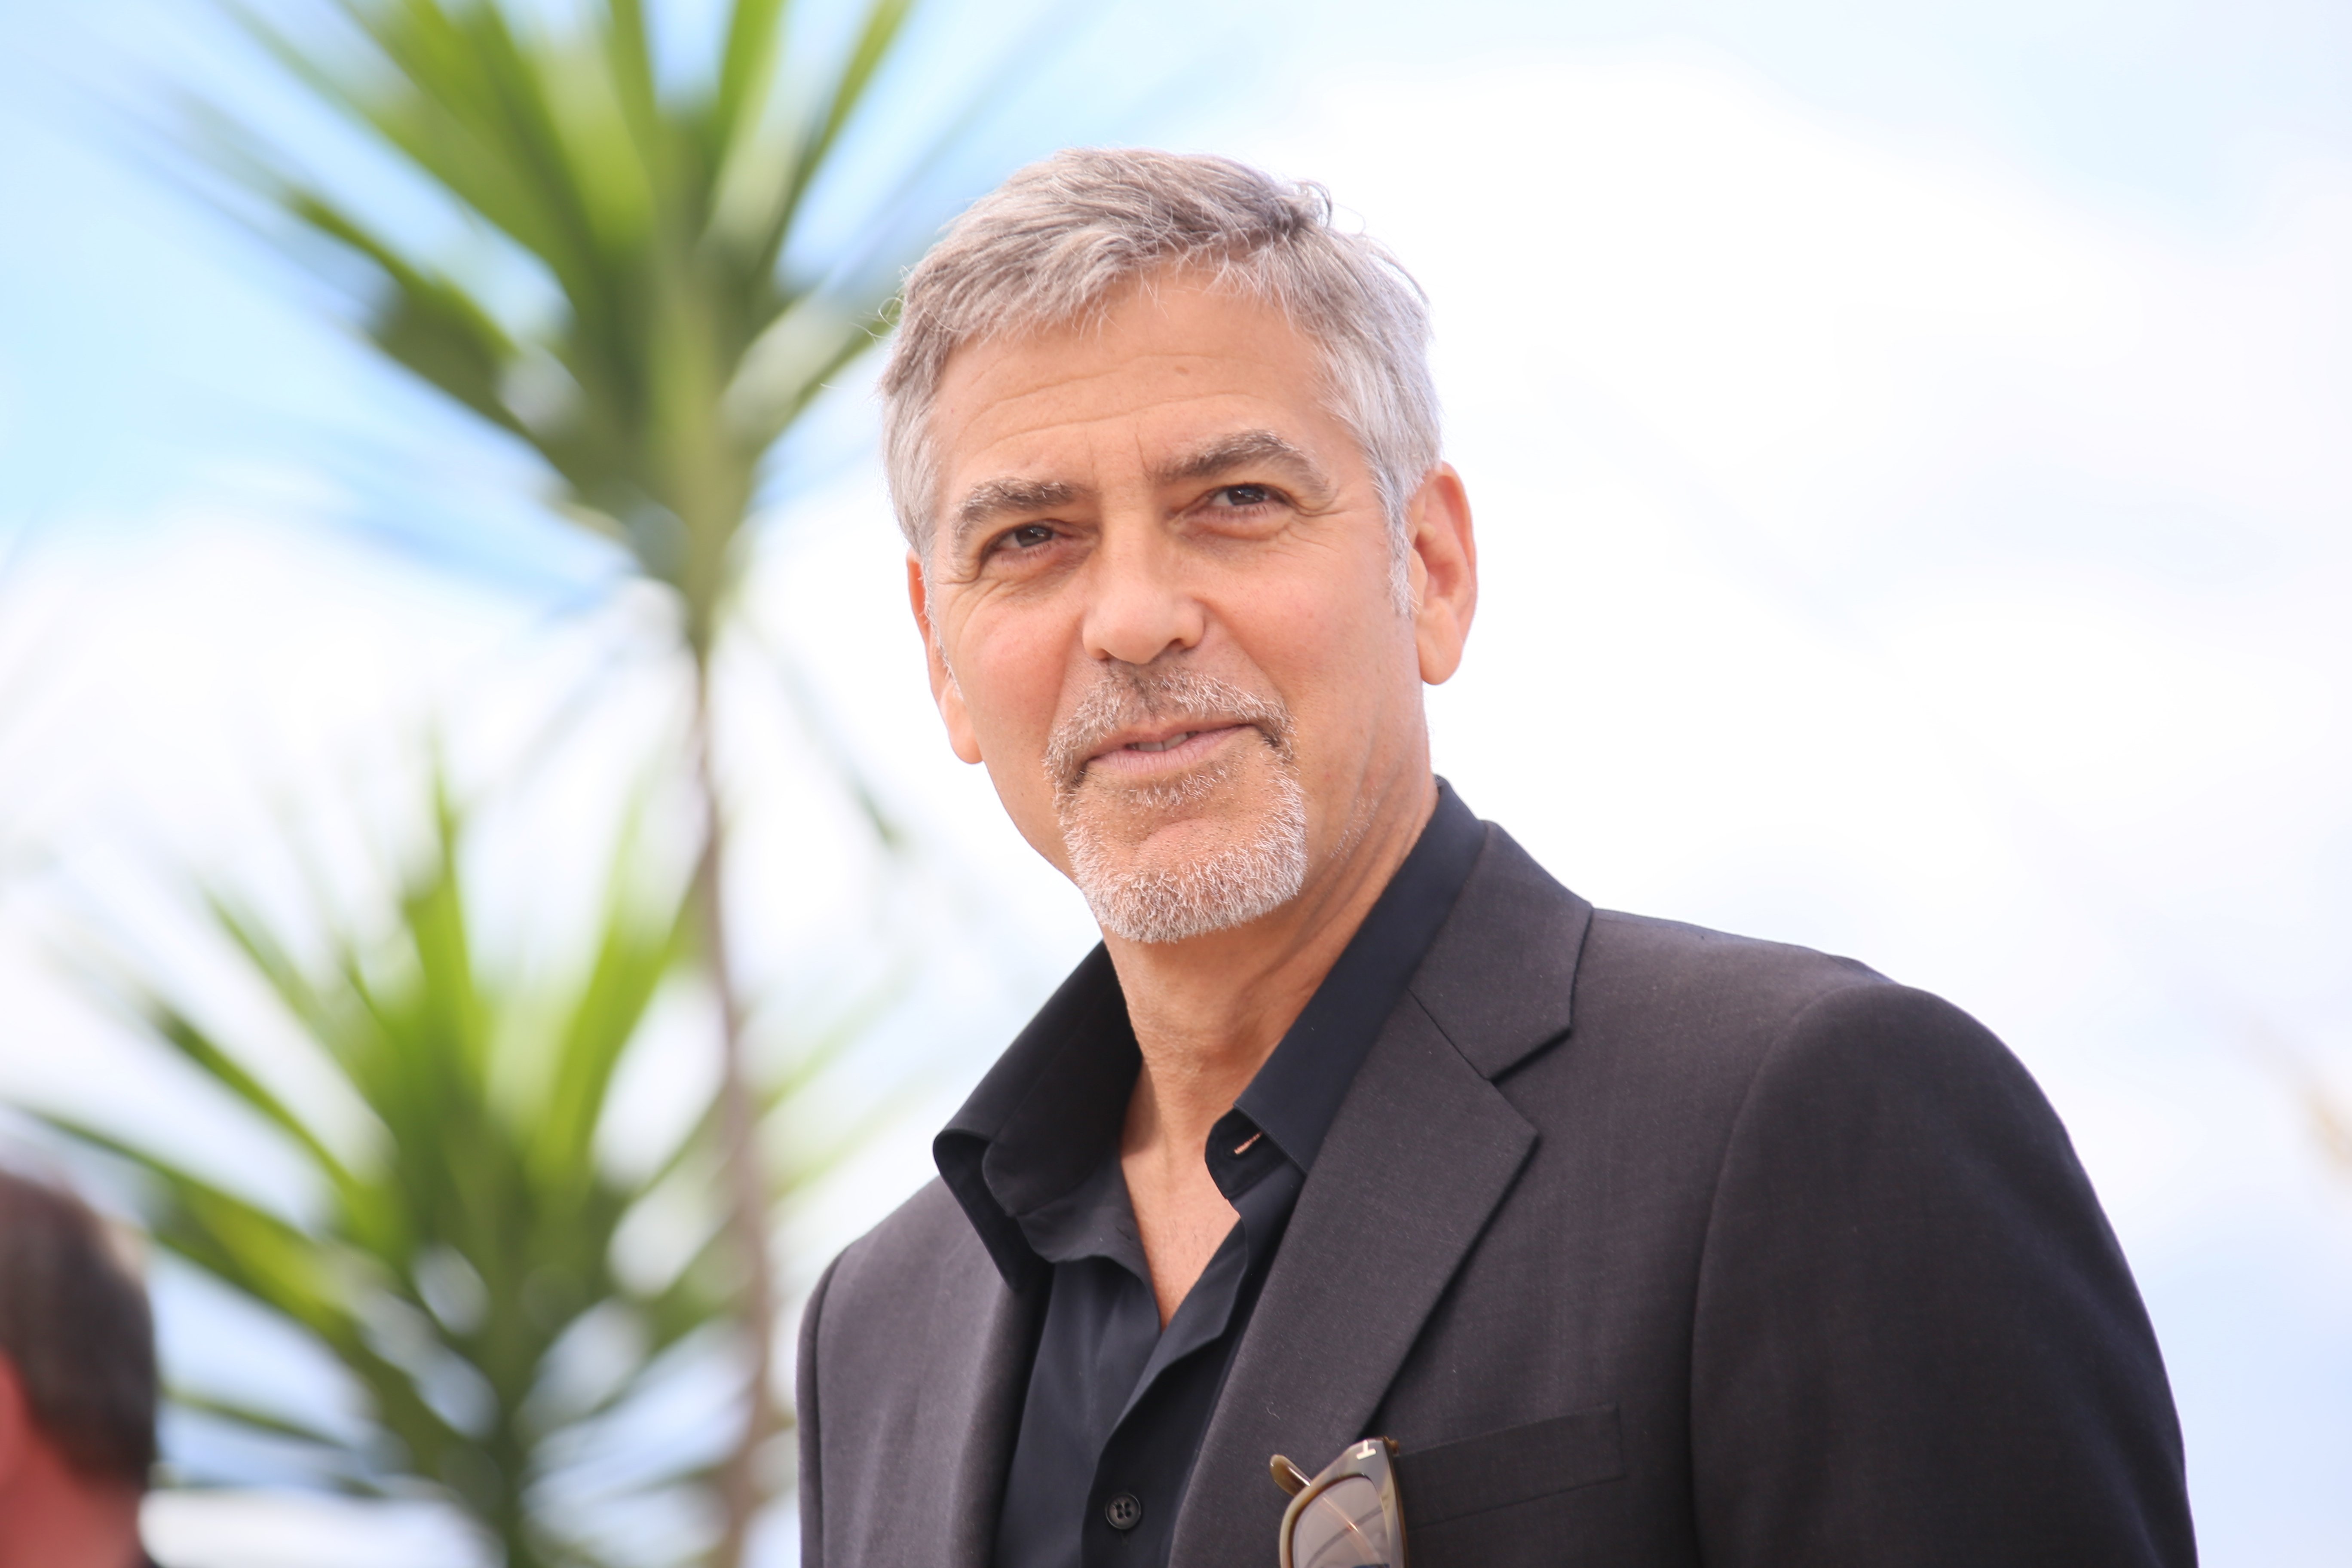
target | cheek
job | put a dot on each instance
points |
(1333, 644)
(1335, 609)
(1010, 672)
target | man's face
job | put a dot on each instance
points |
(1162, 590)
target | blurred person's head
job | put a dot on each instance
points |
(1163, 443)
(76, 1385)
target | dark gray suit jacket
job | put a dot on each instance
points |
(1649, 1246)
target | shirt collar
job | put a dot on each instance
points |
(1298, 1092)
(1046, 1117)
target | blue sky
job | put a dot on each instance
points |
(1908, 442)
(146, 344)
(143, 340)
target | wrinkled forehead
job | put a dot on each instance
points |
(1173, 384)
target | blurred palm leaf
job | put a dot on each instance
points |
(462, 1254)
(681, 328)
(680, 346)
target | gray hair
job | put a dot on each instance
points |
(1049, 246)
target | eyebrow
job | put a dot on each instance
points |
(992, 498)
(1244, 447)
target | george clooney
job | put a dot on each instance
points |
(1640, 1245)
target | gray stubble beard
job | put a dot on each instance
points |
(1228, 887)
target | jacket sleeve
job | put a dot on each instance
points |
(1917, 1343)
(810, 1488)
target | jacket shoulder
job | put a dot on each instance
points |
(897, 1302)
(926, 1245)
(1767, 1002)
(1725, 1032)
(909, 1345)
(1678, 951)
(1524, 963)
(1707, 989)
(1673, 1023)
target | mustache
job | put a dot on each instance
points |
(1137, 694)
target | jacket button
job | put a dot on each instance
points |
(1124, 1511)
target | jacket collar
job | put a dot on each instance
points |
(1420, 1153)
(1077, 1054)
(1500, 978)
(1046, 1117)
(1422, 1150)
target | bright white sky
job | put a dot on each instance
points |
(1914, 510)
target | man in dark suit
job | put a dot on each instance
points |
(1647, 1245)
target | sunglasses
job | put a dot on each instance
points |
(1348, 1516)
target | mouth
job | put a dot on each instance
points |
(1157, 729)
(1168, 743)
(1163, 749)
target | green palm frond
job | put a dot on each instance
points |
(454, 1248)
(679, 347)
(682, 320)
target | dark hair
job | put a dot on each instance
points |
(75, 1324)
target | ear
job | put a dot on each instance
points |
(944, 690)
(1444, 568)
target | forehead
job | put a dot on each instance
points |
(1170, 362)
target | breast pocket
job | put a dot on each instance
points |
(1506, 1498)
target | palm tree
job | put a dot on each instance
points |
(460, 1262)
(681, 334)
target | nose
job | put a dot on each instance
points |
(1138, 605)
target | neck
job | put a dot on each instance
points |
(1208, 1012)
(62, 1521)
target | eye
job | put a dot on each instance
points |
(1238, 497)
(1028, 536)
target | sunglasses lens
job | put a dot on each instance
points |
(1342, 1528)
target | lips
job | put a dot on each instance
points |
(1168, 740)
(1142, 721)
(1155, 750)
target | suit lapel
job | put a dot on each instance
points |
(1500, 976)
(1402, 1187)
(1422, 1150)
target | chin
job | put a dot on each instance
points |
(1179, 858)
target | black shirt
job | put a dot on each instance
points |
(1117, 1407)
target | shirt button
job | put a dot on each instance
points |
(1124, 1511)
